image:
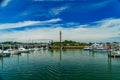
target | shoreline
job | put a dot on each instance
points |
(67, 47)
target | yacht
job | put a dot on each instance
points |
(4, 53)
(23, 50)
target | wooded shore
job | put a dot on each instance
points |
(67, 47)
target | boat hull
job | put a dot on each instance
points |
(113, 55)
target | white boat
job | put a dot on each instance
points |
(4, 53)
(96, 47)
(41, 48)
(36, 49)
(88, 48)
(30, 49)
(114, 54)
(23, 50)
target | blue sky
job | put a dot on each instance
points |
(83, 20)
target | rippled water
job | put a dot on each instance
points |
(60, 65)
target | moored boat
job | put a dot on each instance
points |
(88, 48)
(5, 53)
(114, 54)
(23, 50)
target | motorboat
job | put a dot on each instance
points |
(96, 47)
(88, 48)
(4, 53)
(23, 50)
(114, 54)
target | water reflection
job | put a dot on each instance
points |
(63, 53)
(59, 51)
(109, 64)
(2, 62)
(60, 54)
(18, 58)
(28, 57)
(52, 52)
(60, 65)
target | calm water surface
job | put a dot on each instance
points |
(60, 65)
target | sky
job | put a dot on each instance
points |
(79, 20)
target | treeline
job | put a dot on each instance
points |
(68, 43)
(63, 43)
(74, 43)
(14, 43)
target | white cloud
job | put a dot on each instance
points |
(79, 33)
(57, 11)
(19, 24)
(52, 20)
(27, 23)
(5, 3)
(111, 22)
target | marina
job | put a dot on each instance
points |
(7, 50)
(98, 61)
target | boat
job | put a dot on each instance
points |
(114, 54)
(88, 48)
(23, 50)
(96, 47)
(30, 49)
(5, 53)
(13, 51)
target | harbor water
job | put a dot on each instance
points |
(60, 65)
